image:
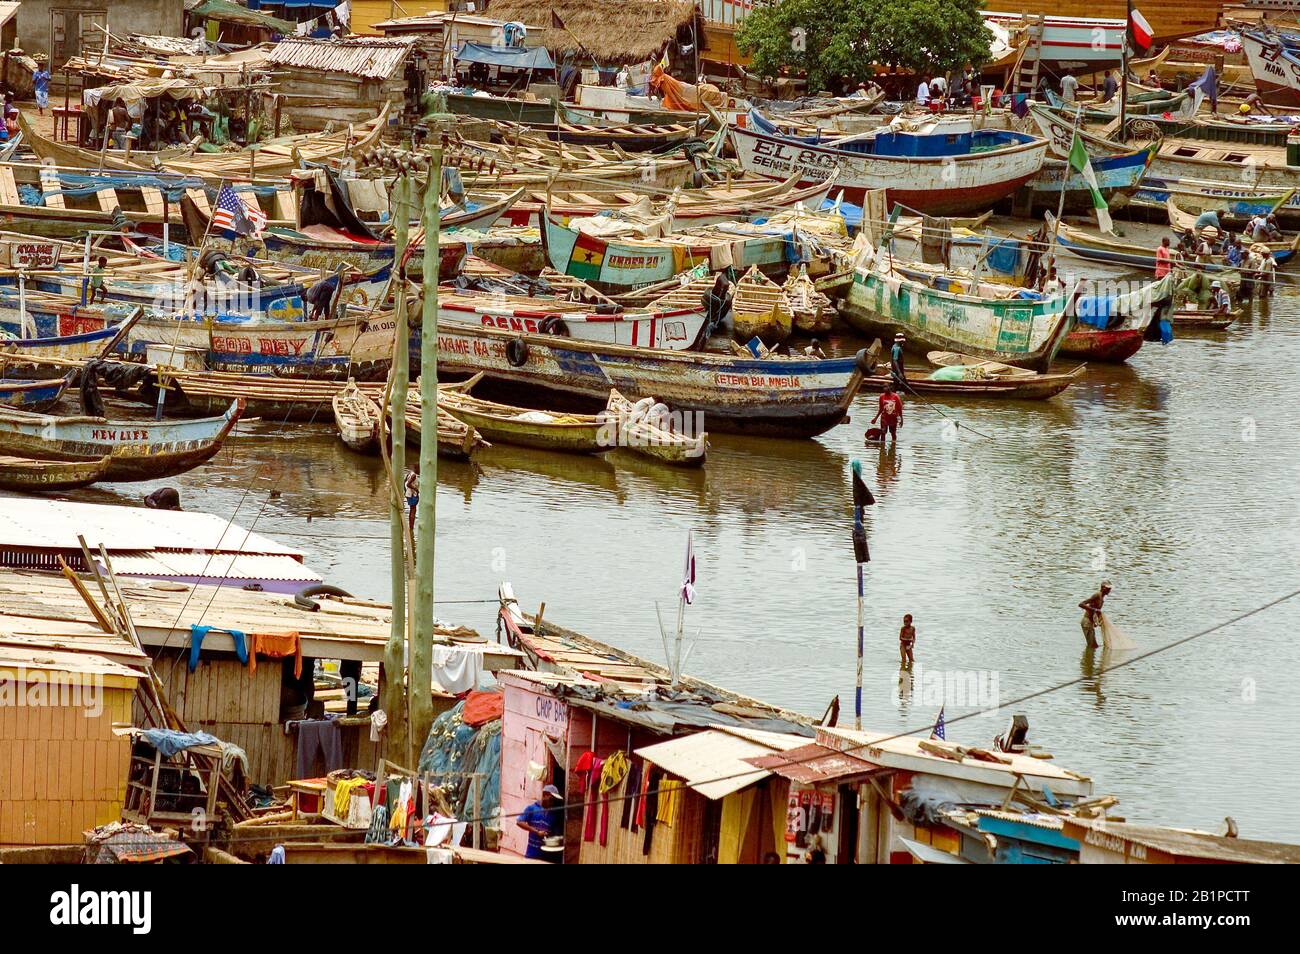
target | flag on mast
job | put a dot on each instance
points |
(938, 732)
(1140, 30)
(1080, 163)
(688, 578)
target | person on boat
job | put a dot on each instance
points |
(1233, 253)
(1222, 300)
(717, 306)
(1052, 285)
(98, 291)
(1187, 244)
(412, 488)
(1153, 80)
(1210, 218)
(906, 641)
(1164, 259)
(896, 360)
(1264, 228)
(541, 819)
(320, 296)
(1069, 87)
(889, 413)
(1264, 270)
(1092, 608)
(814, 350)
(41, 83)
(923, 92)
(1109, 87)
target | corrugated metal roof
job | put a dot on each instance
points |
(370, 58)
(213, 565)
(813, 764)
(718, 754)
(54, 525)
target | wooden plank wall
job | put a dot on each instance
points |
(315, 99)
(1168, 18)
(63, 771)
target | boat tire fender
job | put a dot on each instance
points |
(303, 597)
(517, 352)
(554, 325)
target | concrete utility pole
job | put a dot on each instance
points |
(426, 520)
(393, 695)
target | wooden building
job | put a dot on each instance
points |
(1169, 19)
(611, 33)
(63, 756)
(222, 695)
(342, 81)
(1120, 843)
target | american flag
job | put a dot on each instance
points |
(233, 214)
(688, 580)
(938, 732)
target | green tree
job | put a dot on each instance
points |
(834, 40)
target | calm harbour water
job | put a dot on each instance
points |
(1177, 470)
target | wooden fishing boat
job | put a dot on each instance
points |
(501, 108)
(32, 395)
(933, 174)
(1095, 247)
(1182, 218)
(456, 439)
(545, 430)
(1118, 176)
(776, 397)
(33, 476)
(1204, 319)
(628, 262)
(648, 439)
(1018, 331)
(731, 201)
(328, 249)
(357, 418)
(1032, 387)
(632, 137)
(980, 368)
(56, 347)
(760, 309)
(272, 158)
(813, 312)
(1197, 195)
(138, 450)
(263, 395)
(1275, 67)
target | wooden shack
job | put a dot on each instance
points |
(222, 695)
(341, 81)
(62, 754)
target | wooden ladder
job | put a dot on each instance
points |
(1025, 74)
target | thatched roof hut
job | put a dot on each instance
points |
(613, 31)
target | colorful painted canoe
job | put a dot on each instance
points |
(61, 347)
(769, 397)
(1117, 176)
(32, 395)
(1275, 67)
(36, 476)
(675, 329)
(932, 174)
(1095, 247)
(139, 450)
(1197, 195)
(1022, 332)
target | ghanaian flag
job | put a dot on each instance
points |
(587, 256)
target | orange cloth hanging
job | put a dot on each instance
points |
(276, 646)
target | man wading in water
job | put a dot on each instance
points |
(1092, 607)
(906, 640)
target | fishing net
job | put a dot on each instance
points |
(1112, 637)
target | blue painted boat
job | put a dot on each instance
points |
(1097, 248)
(1118, 175)
(64, 347)
(32, 395)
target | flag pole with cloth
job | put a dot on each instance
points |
(1080, 163)
(685, 595)
(861, 499)
(938, 732)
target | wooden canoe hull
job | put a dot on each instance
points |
(1023, 334)
(33, 476)
(1091, 344)
(32, 395)
(1037, 387)
(769, 397)
(138, 450)
(588, 437)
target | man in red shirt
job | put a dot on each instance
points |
(1164, 259)
(890, 413)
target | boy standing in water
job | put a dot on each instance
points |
(1092, 607)
(906, 640)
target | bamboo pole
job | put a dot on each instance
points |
(393, 690)
(425, 527)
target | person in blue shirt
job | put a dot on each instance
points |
(896, 361)
(1234, 253)
(540, 819)
(41, 83)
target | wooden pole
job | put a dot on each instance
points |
(393, 690)
(425, 524)
(1123, 74)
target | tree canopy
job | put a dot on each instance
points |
(832, 40)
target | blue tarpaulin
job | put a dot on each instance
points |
(511, 57)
